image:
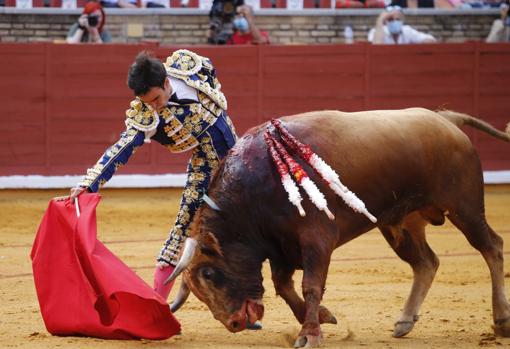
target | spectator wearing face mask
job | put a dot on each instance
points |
(390, 29)
(500, 31)
(246, 31)
(221, 17)
(90, 26)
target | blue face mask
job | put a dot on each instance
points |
(241, 24)
(395, 26)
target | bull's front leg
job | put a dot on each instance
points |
(315, 269)
(284, 286)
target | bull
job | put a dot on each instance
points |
(411, 168)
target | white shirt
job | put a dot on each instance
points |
(182, 90)
(409, 35)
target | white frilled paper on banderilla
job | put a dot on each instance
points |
(286, 165)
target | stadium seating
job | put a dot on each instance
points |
(310, 4)
(280, 4)
(177, 4)
(58, 3)
(35, 3)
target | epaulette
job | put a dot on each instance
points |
(183, 62)
(142, 118)
(193, 70)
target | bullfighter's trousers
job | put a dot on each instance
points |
(214, 145)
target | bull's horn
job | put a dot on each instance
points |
(181, 298)
(187, 254)
(210, 202)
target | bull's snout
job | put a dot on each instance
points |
(236, 325)
(251, 310)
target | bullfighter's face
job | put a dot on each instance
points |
(232, 292)
(158, 97)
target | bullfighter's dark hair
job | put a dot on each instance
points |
(146, 72)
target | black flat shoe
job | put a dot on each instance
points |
(255, 326)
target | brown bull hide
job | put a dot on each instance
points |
(411, 167)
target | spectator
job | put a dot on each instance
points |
(500, 31)
(119, 3)
(390, 29)
(221, 17)
(245, 29)
(90, 26)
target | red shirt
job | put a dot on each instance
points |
(245, 39)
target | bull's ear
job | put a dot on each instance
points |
(209, 245)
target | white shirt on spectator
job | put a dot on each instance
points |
(409, 35)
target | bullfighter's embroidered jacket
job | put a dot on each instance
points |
(179, 127)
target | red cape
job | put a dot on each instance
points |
(83, 289)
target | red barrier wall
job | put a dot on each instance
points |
(64, 104)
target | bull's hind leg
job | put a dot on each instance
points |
(471, 221)
(408, 241)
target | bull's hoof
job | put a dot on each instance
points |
(308, 341)
(502, 327)
(404, 327)
(325, 316)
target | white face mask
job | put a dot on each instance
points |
(395, 26)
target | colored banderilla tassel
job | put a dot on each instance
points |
(302, 178)
(289, 185)
(324, 170)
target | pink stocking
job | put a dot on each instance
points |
(160, 275)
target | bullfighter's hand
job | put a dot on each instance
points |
(74, 192)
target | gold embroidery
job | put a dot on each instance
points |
(141, 117)
(185, 69)
(94, 172)
(197, 162)
(188, 63)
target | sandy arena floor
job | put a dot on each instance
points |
(366, 288)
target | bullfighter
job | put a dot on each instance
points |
(180, 105)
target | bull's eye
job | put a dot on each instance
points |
(212, 275)
(208, 273)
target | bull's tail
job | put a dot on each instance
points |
(460, 119)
